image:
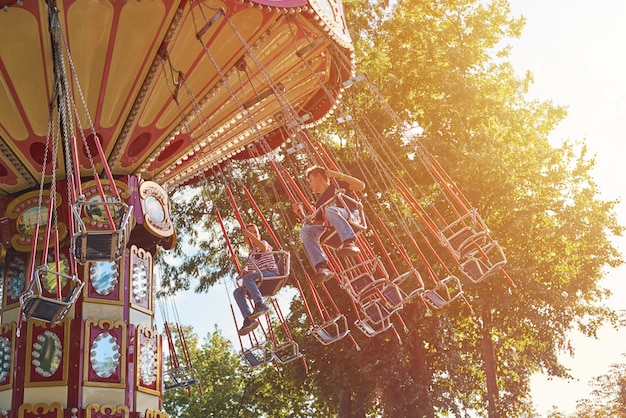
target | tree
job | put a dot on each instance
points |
(229, 388)
(609, 395)
(443, 65)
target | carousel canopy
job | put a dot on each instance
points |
(171, 88)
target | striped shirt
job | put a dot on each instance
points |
(262, 260)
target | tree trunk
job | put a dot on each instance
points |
(421, 375)
(489, 357)
(345, 403)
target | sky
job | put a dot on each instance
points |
(574, 48)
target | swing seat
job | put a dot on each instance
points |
(332, 330)
(269, 286)
(441, 294)
(329, 237)
(35, 305)
(179, 377)
(484, 262)
(359, 280)
(287, 352)
(404, 292)
(376, 312)
(393, 296)
(464, 234)
(363, 286)
(258, 355)
(371, 329)
(90, 245)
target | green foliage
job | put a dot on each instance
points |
(608, 396)
(442, 65)
(229, 388)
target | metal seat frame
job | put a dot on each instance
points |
(462, 235)
(35, 305)
(440, 295)
(329, 237)
(332, 330)
(270, 286)
(89, 245)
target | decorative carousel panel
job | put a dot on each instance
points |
(104, 280)
(155, 208)
(149, 363)
(106, 411)
(141, 279)
(25, 212)
(105, 353)
(47, 353)
(40, 410)
(7, 347)
(14, 278)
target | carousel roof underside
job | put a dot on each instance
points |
(173, 88)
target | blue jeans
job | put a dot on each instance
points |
(249, 286)
(310, 234)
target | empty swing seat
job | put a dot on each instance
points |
(287, 352)
(35, 305)
(393, 296)
(445, 292)
(90, 245)
(376, 312)
(258, 355)
(179, 377)
(332, 330)
(484, 262)
(362, 286)
(462, 235)
(372, 329)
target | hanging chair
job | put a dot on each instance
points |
(259, 354)
(35, 305)
(464, 234)
(394, 296)
(445, 292)
(483, 262)
(286, 352)
(376, 312)
(90, 244)
(269, 286)
(179, 377)
(358, 223)
(360, 281)
(372, 329)
(332, 330)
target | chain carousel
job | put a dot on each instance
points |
(105, 105)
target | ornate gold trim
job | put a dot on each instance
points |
(40, 408)
(106, 409)
(150, 413)
(18, 211)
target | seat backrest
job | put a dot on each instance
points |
(435, 299)
(280, 263)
